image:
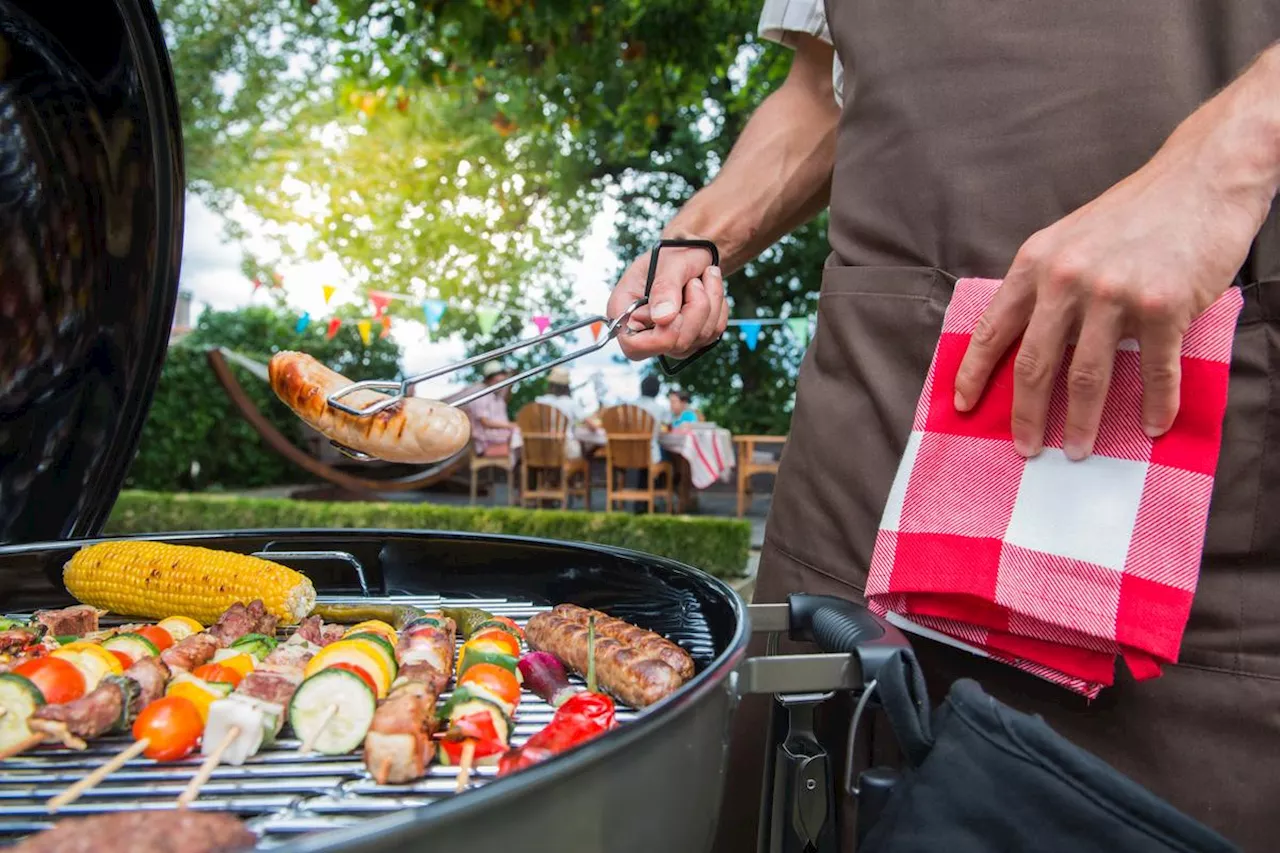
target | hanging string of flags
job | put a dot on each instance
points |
(433, 311)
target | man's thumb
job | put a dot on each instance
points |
(664, 300)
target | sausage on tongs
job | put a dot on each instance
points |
(399, 744)
(631, 675)
(413, 430)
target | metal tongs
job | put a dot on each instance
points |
(397, 391)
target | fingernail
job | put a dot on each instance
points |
(662, 309)
(962, 405)
(1025, 448)
(635, 326)
(715, 271)
(1075, 450)
(697, 282)
(1152, 430)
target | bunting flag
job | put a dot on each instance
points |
(433, 310)
(366, 329)
(543, 322)
(303, 322)
(257, 282)
(328, 291)
(486, 317)
(751, 333)
(379, 302)
(386, 326)
(596, 327)
(334, 325)
(800, 328)
(279, 279)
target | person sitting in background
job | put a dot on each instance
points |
(649, 388)
(558, 396)
(682, 411)
(491, 425)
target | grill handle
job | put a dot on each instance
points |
(837, 625)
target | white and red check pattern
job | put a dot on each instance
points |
(709, 451)
(1053, 566)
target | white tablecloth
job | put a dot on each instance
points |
(707, 448)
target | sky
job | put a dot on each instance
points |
(211, 274)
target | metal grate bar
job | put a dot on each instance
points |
(278, 792)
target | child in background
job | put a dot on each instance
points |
(682, 411)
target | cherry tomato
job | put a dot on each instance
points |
(172, 727)
(159, 637)
(217, 672)
(58, 680)
(493, 679)
(360, 671)
(453, 749)
(125, 660)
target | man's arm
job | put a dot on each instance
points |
(777, 177)
(1141, 261)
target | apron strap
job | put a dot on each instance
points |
(905, 700)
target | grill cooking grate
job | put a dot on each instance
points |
(279, 793)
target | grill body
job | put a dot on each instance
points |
(652, 784)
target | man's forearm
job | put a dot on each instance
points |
(778, 175)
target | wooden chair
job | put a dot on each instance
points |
(548, 473)
(505, 462)
(747, 465)
(629, 433)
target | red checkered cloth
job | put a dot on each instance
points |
(1053, 566)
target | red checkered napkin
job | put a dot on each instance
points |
(1053, 566)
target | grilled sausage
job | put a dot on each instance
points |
(621, 671)
(413, 431)
(649, 644)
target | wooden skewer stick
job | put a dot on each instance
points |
(22, 746)
(310, 743)
(57, 730)
(464, 766)
(384, 771)
(103, 771)
(188, 796)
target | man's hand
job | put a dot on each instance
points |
(687, 308)
(1141, 261)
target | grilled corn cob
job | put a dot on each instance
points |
(155, 580)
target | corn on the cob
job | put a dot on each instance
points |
(156, 580)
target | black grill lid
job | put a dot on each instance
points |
(91, 195)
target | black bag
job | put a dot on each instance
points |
(983, 777)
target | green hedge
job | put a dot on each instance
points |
(716, 545)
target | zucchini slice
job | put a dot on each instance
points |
(133, 646)
(332, 710)
(19, 697)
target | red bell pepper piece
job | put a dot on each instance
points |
(581, 718)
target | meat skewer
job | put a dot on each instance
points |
(399, 745)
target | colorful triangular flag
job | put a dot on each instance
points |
(334, 325)
(750, 332)
(328, 290)
(542, 322)
(379, 302)
(433, 310)
(257, 282)
(486, 317)
(596, 328)
(278, 279)
(386, 326)
(799, 327)
(303, 322)
(366, 330)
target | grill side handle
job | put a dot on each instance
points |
(837, 625)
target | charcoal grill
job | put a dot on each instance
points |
(91, 189)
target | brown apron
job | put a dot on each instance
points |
(968, 125)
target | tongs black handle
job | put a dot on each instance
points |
(667, 367)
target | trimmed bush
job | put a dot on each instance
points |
(715, 545)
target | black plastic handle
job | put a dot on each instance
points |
(837, 626)
(667, 367)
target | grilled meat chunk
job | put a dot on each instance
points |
(16, 638)
(240, 620)
(647, 643)
(184, 831)
(190, 653)
(75, 621)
